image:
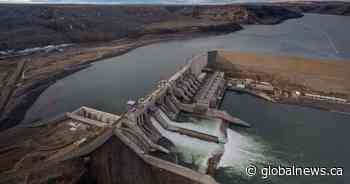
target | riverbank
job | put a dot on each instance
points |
(142, 25)
(326, 7)
(38, 25)
(43, 69)
(320, 84)
(343, 108)
(84, 132)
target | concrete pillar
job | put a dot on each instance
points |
(142, 119)
(163, 99)
(188, 91)
(172, 106)
(168, 111)
(155, 134)
(165, 109)
(181, 93)
(189, 87)
(212, 58)
(194, 80)
(93, 116)
(193, 84)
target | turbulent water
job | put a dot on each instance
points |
(242, 150)
(193, 151)
(281, 134)
(207, 126)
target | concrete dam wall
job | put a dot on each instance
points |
(141, 145)
(115, 163)
(193, 89)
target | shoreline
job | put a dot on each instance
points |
(29, 95)
(85, 28)
(58, 143)
(318, 105)
(83, 24)
(43, 69)
(298, 82)
(313, 104)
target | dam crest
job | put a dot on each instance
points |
(144, 132)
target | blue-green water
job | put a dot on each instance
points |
(281, 134)
(109, 84)
(284, 135)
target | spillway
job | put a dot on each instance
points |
(207, 126)
(192, 150)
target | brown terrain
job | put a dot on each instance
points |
(322, 7)
(53, 153)
(319, 75)
(29, 152)
(324, 77)
(98, 32)
(28, 26)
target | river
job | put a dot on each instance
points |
(281, 134)
(284, 135)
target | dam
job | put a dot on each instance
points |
(275, 125)
(152, 131)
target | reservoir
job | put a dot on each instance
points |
(281, 134)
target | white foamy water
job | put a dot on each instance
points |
(207, 126)
(193, 150)
(242, 150)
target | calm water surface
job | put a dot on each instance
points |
(108, 84)
(281, 134)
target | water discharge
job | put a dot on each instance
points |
(207, 126)
(240, 151)
(243, 150)
(279, 133)
(193, 151)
